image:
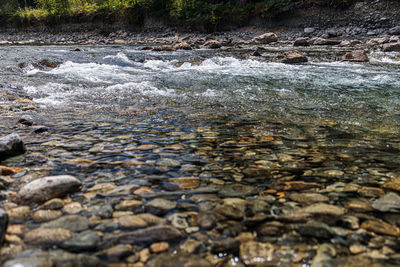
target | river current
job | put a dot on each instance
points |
(236, 129)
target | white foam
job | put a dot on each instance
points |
(121, 57)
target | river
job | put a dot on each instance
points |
(227, 148)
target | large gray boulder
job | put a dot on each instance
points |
(46, 188)
(11, 145)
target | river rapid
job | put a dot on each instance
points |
(205, 157)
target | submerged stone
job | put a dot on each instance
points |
(46, 188)
(11, 145)
(388, 203)
(47, 237)
(151, 234)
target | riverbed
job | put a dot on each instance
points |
(205, 157)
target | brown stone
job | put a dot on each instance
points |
(308, 198)
(298, 185)
(186, 182)
(356, 56)
(392, 184)
(391, 47)
(128, 205)
(19, 213)
(213, 44)
(159, 247)
(381, 228)
(47, 236)
(183, 46)
(53, 204)
(164, 48)
(132, 221)
(293, 57)
(46, 215)
(9, 170)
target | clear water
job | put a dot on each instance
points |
(223, 113)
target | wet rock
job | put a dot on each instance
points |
(160, 205)
(73, 208)
(237, 190)
(394, 31)
(256, 172)
(297, 185)
(47, 237)
(107, 226)
(115, 253)
(19, 213)
(73, 223)
(308, 198)
(370, 192)
(170, 163)
(46, 188)
(206, 220)
(9, 170)
(309, 30)
(381, 228)
(392, 184)
(85, 241)
(273, 228)
(164, 48)
(323, 209)
(159, 247)
(183, 46)
(46, 215)
(391, 47)
(357, 249)
(322, 41)
(186, 182)
(103, 211)
(233, 208)
(144, 255)
(11, 145)
(187, 260)
(191, 246)
(178, 220)
(356, 56)
(388, 203)
(151, 219)
(53, 258)
(293, 57)
(301, 42)
(128, 205)
(53, 204)
(3, 225)
(324, 255)
(213, 44)
(265, 38)
(225, 245)
(256, 253)
(132, 221)
(151, 234)
(315, 229)
(350, 222)
(358, 205)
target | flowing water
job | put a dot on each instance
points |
(239, 127)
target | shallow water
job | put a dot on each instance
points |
(211, 115)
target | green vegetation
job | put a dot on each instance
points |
(206, 15)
